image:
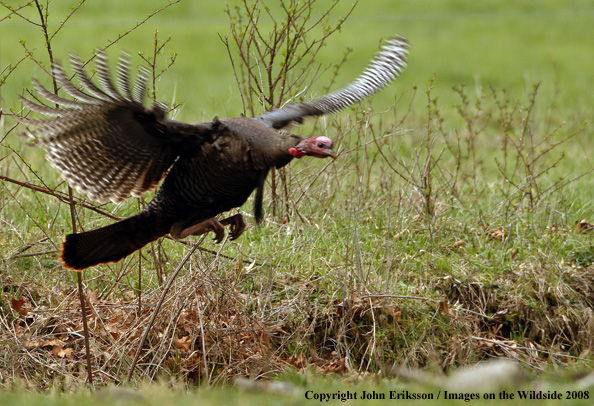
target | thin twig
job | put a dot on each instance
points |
(74, 10)
(60, 196)
(203, 339)
(402, 297)
(510, 347)
(137, 25)
(34, 254)
(16, 10)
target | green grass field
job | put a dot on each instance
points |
(446, 233)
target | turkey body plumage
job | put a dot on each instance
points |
(202, 183)
(107, 144)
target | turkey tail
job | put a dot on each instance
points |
(108, 244)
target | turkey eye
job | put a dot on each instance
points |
(321, 145)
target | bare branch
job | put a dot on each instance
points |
(74, 10)
(15, 11)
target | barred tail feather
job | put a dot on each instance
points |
(108, 244)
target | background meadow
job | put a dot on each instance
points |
(454, 227)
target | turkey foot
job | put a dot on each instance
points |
(237, 223)
(212, 224)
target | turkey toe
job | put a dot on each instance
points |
(237, 223)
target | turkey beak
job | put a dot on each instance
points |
(330, 152)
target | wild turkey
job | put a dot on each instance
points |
(107, 144)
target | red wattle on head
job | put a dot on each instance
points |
(297, 153)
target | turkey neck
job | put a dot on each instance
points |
(266, 147)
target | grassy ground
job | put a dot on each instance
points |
(285, 394)
(445, 233)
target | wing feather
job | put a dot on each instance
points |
(105, 143)
(85, 81)
(105, 78)
(383, 68)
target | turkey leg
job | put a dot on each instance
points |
(212, 224)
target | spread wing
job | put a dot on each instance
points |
(383, 68)
(105, 142)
